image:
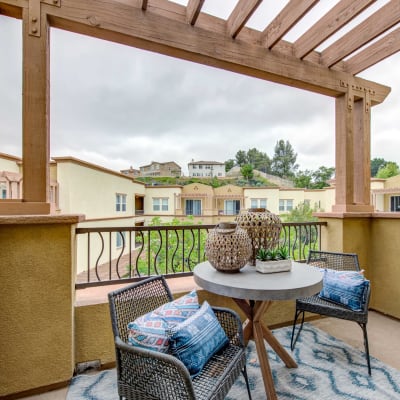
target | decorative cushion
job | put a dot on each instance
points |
(197, 339)
(149, 330)
(180, 309)
(348, 288)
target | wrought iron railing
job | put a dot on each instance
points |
(109, 255)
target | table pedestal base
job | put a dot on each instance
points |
(253, 328)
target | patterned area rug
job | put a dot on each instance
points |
(327, 369)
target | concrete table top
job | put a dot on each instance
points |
(303, 280)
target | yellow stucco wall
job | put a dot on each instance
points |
(385, 265)
(37, 294)
(93, 332)
(376, 239)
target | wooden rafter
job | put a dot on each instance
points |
(128, 25)
(369, 29)
(193, 10)
(240, 15)
(331, 22)
(287, 18)
(378, 51)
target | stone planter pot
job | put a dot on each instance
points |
(268, 267)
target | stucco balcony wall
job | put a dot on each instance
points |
(48, 327)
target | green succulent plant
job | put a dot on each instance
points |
(279, 253)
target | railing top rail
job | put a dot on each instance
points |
(177, 227)
(144, 228)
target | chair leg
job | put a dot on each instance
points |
(293, 340)
(364, 329)
(246, 378)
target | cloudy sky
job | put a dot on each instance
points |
(118, 107)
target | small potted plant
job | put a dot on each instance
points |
(273, 260)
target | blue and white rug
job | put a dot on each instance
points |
(328, 369)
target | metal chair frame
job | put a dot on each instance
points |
(314, 304)
(147, 374)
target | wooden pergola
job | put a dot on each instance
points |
(188, 33)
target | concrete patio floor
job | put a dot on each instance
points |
(383, 336)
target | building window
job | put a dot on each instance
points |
(160, 204)
(120, 202)
(395, 203)
(232, 207)
(259, 203)
(3, 191)
(200, 167)
(120, 239)
(193, 207)
(285, 205)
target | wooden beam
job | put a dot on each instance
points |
(240, 15)
(128, 25)
(286, 19)
(35, 121)
(331, 22)
(193, 10)
(369, 29)
(376, 52)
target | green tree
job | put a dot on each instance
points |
(229, 164)
(302, 213)
(313, 179)
(259, 160)
(284, 160)
(376, 164)
(303, 179)
(241, 158)
(390, 169)
(247, 171)
(321, 177)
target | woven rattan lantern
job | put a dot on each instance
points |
(263, 228)
(228, 247)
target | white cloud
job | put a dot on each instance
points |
(118, 106)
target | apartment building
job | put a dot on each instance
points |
(206, 169)
(158, 169)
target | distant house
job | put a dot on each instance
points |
(206, 169)
(169, 168)
(131, 172)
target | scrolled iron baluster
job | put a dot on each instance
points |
(98, 258)
(175, 251)
(190, 250)
(120, 254)
(139, 253)
(157, 252)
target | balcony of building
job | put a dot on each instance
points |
(48, 325)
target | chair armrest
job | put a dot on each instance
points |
(231, 324)
(367, 298)
(152, 372)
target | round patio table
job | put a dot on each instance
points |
(254, 293)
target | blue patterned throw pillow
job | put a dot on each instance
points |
(149, 330)
(180, 309)
(348, 288)
(197, 339)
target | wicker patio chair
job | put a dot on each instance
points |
(314, 304)
(147, 374)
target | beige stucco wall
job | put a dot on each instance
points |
(165, 192)
(271, 194)
(92, 191)
(375, 238)
(9, 163)
(37, 296)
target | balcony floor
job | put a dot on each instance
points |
(383, 336)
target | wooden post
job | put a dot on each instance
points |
(353, 153)
(35, 106)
